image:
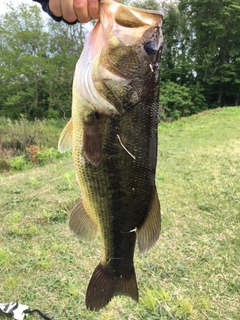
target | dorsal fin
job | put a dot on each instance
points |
(149, 232)
(81, 223)
(65, 140)
(92, 140)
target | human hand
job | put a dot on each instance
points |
(72, 10)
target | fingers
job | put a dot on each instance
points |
(72, 10)
(93, 9)
(55, 7)
(86, 9)
(68, 11)
(81, 9)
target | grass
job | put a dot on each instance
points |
(193, 270)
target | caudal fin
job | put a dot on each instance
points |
(105, 284)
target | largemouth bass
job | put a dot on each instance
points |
(113, 135)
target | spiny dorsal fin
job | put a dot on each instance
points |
(81, 223)
(65, 140)
(105, 284)
(92, 140)
(149, 232)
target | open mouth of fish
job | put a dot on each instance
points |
(104, 81)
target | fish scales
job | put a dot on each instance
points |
(113, 134)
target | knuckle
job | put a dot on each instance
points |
(70, 17)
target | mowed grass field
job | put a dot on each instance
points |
(193, 270)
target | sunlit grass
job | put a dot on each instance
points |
(193, 270)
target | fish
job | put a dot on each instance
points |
(113, 136)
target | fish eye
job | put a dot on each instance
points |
(150, 48)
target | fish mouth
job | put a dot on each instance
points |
(127, 23)
(119, 55)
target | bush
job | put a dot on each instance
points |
(18, 163)
(34, 156)
(180, 101)
(44, 155)
(24, 143)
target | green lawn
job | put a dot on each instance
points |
(191, 273)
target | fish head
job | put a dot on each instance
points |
(119, 56)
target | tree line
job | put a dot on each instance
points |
(200, 63)
(37, 62)
(202, 54)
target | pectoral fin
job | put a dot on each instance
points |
(92, 140)
(81, 223)
(149, 232)
(65, 140)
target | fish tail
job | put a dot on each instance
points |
(105, 284)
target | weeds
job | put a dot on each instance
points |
(32, 158)
(24, 143)
(19, 134)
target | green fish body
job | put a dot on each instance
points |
(113, 135)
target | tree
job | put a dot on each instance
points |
(215, 46)
(65, 47)
(176, 62)
(37, 62)
(144, 4)
(22, 45)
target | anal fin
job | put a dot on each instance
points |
(81, 223)
(149, 232)
(105, 284)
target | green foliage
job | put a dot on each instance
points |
(37, 62)
(20, 134)
(18, 163)
(215, 46)
(145, 4)
(202, 46)
(42, 157)
(179, 100)
(45, 155)
(27, 143)
(176, 62)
